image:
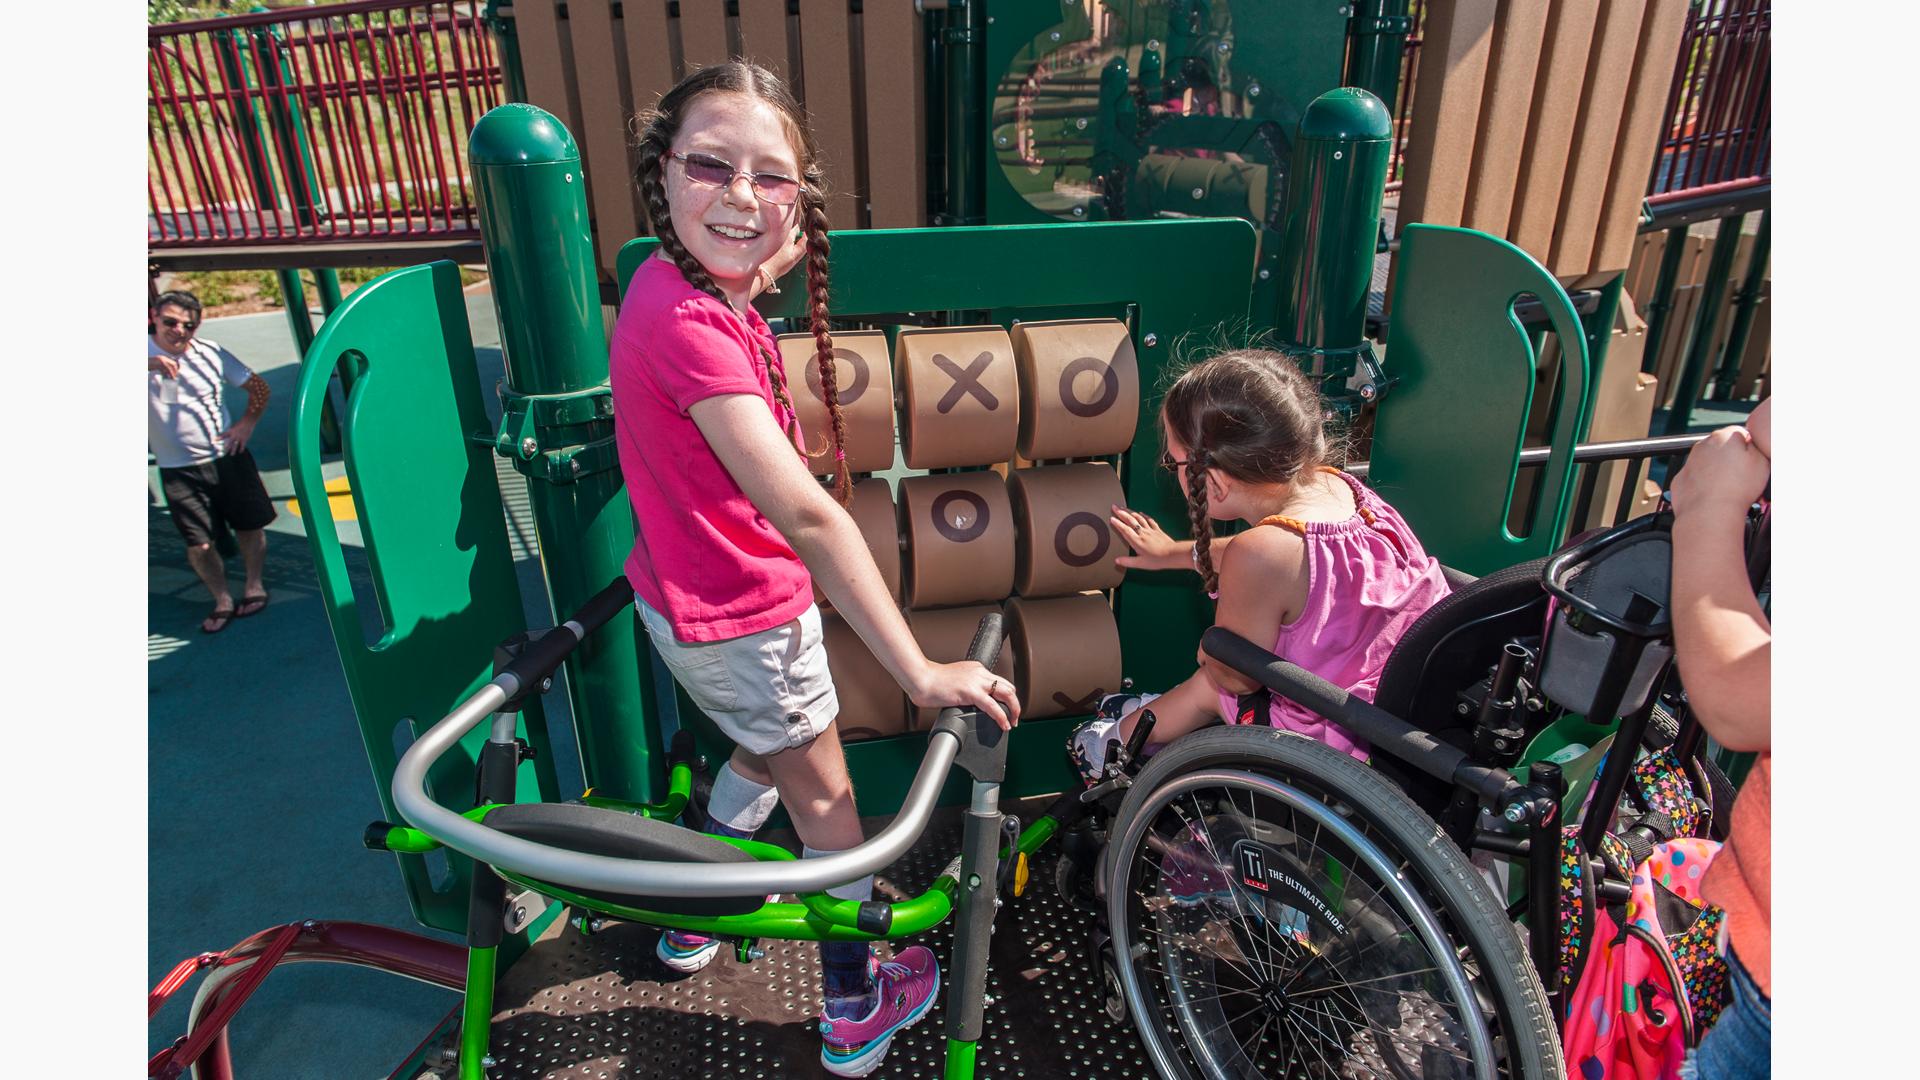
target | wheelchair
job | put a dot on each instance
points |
(1266, 906)
(1271, 907)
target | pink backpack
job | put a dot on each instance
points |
(1652, 982)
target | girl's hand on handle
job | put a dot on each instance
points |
(968, 683)
(1153, 548)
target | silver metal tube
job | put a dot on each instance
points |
(573, 869)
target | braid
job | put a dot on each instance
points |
(1198, 520)
(817, 249)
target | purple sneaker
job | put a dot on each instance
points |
(904, 988)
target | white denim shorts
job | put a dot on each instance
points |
(769, 691)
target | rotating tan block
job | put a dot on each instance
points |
(872, 705)
(1066, 654)
(1079, 388)
(864, 375)
(959, 396)
(1065, 545)
(960, 536)
(873, 512)
(944, 636)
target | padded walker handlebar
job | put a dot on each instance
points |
(578, 870)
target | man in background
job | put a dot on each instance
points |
(209, 476)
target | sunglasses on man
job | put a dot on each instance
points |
(178, 324)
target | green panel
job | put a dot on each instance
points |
(419, 462)
(1175, 276)
(1447, 439)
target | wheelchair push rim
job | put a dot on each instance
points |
(1253, 1008)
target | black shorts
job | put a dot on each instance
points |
(225, 493)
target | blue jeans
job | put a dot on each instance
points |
(1740, 1044)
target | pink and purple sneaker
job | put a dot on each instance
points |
(904, 989)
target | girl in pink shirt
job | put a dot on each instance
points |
(1332, 582)
(733, 528)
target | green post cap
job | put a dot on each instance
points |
(520, 134)
(1346, 114)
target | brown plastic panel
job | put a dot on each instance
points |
(959, 396)
(960, 535)
(865, 376)
(944, 635)
(1065, 545)
(1079, 388)
(872, 705)
(1066, 654)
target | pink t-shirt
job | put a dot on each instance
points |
(702, 555)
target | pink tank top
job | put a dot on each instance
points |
(1368, 580)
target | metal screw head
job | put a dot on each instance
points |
(529, 446)
(546, 684)
(568, 178)
(1199, 193)
(1079, 211)
(1462, 709)
(1152, 340)
(1081, 123)
(1001, 141)
(1253, 89)
(1516, 812)
(1222, 48)
(1055, 36)
(1153, 43)
(1265, 273)
(1367, 393)
(519, 913)
(488, 1061)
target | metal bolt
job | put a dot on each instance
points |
(973, 881)
(1199, 193)
(756, 953)
(1222, 48)
(529, 446)
(1079, 211)
(488, 1061)
(448, 1053)
(1338, 154)
(1002, 140)
(1253, 89)
(309, 925)
(1055, 36)
(1153, 43)
(546, 684)
(1516, 812)
(1152, 340)
(1462, 709)
(519, 913)
(1265, 273)
(1126, 684)
(1346, 9)
(1081, 123)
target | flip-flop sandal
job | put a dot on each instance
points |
(250, 605)
(216, 621)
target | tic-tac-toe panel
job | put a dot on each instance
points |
(959, 532)
(1064, 544)
(944, 635)
(959, 396)
(1079, 387)
(871, 703)
(863, 375)
(1066, 653)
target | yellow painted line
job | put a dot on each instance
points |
(339, 501)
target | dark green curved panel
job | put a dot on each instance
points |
(419, 460)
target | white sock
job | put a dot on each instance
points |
(740, 804)
(852, 890)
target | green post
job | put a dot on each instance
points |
(1335, 184)
(1378, 30)
(327, 281)
(966, 127)
(1662, 302)
(557, 422)
(1699, 351)
(1744, 302)
(506, 37)
(476, 1013)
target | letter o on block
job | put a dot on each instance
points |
(871, 703)
(864, 377)
(1066, 654)
(1079, 388)
(944, 636)
(959, 530)
(1065, 545)
(959, 396)
(873, 513)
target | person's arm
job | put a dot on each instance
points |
(1722, 640)
(1152, 548)
(759, 457)
(238, 374)
(1262, 577)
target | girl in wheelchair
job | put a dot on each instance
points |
(1329, 572)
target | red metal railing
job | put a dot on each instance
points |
(1403, 106)
(325, 124)
(1719, 126)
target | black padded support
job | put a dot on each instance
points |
(598, 831)
(1495, 604)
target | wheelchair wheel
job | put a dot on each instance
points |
(1279, 910)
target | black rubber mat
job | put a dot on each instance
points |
(602, 1006)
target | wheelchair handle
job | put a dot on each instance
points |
(578, 870)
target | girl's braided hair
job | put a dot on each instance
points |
(1252, 414)
(656, 130)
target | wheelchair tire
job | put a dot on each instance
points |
(1373, 949)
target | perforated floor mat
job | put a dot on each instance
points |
(602, 1006)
